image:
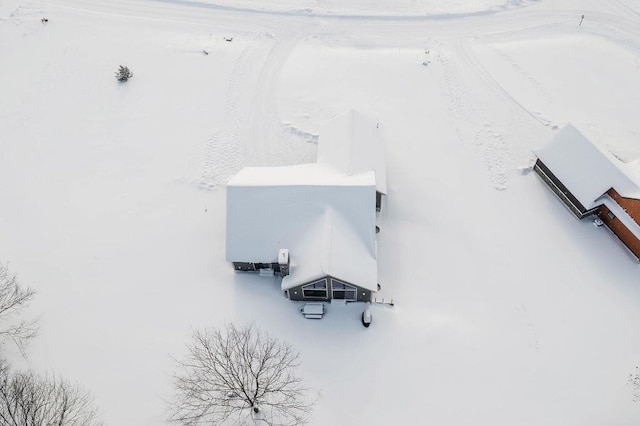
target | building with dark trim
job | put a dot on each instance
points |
(314, 224)
(591, 182)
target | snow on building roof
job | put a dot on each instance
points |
(312, 174)
(353, 143)
(324, 212)
(329, 228)
(585, 169)
(336, 249)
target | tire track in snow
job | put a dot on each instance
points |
(275, 143)
(265, 122)
(625, 21)
(494, 85)
(259, 10)
(533, 82)
(496, 151)
(481, 72)
(253, 134)
(224, 153)
(626, 8)
(382, 27)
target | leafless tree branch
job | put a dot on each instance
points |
(238, 375)
(634, 382)
(27, 399)
(14, 298)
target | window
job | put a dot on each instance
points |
(611, 215)
(316, 289)
(343, 291)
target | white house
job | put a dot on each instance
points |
(591, 181)
(314, 224)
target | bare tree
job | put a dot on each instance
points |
(13, 298)
(29, 399)
(238, 375)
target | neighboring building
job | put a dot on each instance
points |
(314, 224)
(590, 181)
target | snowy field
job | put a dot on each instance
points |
(112, 203)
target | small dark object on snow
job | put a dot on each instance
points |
(377, 229)
(44, 20)
(581, 19)
(229, 39)
(123, 74)
(366, 317)
(205, 52)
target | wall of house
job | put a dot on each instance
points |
(561, 191)
(244, 266)
(295, 293)
(632, 206)
(252, 267)
(364, 295)
(621, 231)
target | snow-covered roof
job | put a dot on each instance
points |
(311, 174)
(585, 169)
(353, 143)
(327, 225)
(323, 212)
(336, 249)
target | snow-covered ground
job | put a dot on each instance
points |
(508, 310)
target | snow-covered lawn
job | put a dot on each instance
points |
(112, 205)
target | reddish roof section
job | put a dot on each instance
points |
(630, 205)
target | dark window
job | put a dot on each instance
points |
(316, 289)
(611, 215)
(343, 291)
(315, 293)
(318, 284)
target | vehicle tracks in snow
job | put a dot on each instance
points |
(253, 133)
(493, 130)
(224, 153)
(273, 142)
(481, 72)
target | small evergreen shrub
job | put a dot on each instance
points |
(123, 74)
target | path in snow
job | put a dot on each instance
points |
(253, 133)
(225, 154)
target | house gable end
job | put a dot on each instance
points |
(328, 288)
(630, 205)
